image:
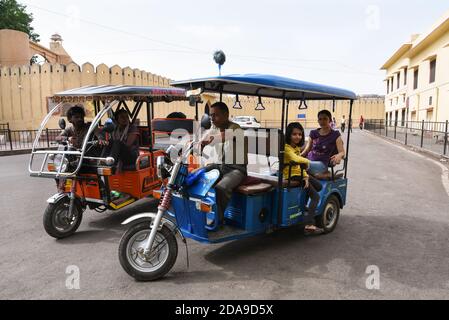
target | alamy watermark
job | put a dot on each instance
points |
(373, 280)
(373, 17)
(72, 282)
(226, 147)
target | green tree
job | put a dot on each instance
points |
(13, 16)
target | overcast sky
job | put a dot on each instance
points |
(341, 43)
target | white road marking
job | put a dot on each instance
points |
(444, 169)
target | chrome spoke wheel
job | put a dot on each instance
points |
(147, 262)
(147, 266)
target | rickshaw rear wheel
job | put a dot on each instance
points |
(162, 257)
(56, 222)
(329, 219)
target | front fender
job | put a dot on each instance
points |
(57, 197)
(150, 216)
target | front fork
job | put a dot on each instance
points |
(72, 200)
(162, 209)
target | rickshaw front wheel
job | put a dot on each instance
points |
(329, 219)
(57, 222)
(152, 266)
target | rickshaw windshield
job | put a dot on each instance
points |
(100, 103)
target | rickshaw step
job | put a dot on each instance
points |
(225, 232)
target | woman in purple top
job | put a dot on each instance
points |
(324, 147)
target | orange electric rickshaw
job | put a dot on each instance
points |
(85, 176)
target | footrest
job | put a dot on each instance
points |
(121, 202)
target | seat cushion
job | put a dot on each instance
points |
(250, 181)
(273, 181)
(254, 189)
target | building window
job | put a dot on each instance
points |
(405, 76)
(388, 86)
(415, 79)
(392, 84)
(433, 66)
(430, 101)
(399, 80)
(403, 118)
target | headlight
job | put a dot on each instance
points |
(58, 163)
(110, 161)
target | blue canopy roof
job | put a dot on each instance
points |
(107, 92)
(266, 86)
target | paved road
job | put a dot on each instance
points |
(397, 219)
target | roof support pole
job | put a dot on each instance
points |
(281, 164)
(349, 139)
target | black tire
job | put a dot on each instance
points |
(329, 219)
(163, 269)
(53, 224)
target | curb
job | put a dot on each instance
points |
(14, 152)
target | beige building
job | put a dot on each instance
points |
(417, 79)
(17, 49)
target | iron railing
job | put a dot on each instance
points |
(13, 140)
(427, 135)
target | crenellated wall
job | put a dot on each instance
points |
(25, 93)
(24, 90)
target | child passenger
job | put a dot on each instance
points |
(295, 139)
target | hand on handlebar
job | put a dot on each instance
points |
(103, 142)
(207, 141)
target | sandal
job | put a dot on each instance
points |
(313, 232)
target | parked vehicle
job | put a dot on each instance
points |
(247, 122)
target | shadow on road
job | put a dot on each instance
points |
(107, 227)
(405, 249)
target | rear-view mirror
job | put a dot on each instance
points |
(62, 124)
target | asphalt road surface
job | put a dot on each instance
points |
(396, 222)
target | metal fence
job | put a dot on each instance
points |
(431, 136)
(12, 140)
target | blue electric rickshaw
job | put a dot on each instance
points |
(265, 203)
